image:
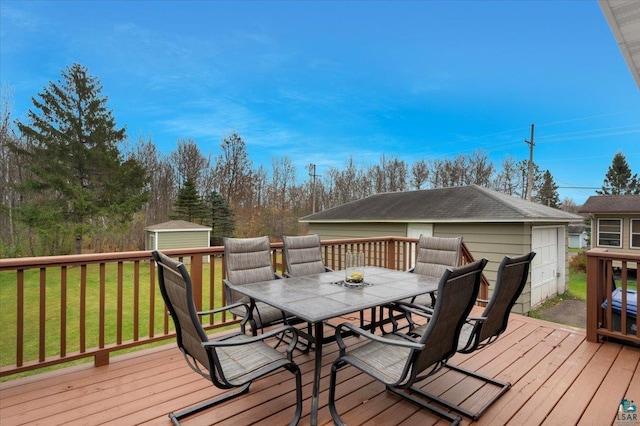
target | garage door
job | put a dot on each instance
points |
(544, 273)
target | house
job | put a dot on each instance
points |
(577, 236)
(176, 234)
(491, 223)
(615, 222)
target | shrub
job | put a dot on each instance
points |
(578, 263)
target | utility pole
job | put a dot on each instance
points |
(312, 173)
(530, 174)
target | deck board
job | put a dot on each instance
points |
(557, 378)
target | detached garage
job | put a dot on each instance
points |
(491, 223)
(177, 234)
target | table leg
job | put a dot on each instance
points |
(315, 395)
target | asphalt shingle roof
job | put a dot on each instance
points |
(612, 204)
(465, 203)
(176, 225)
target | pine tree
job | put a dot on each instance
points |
(220, 217)
(188, 205)
(618, 180)
(548, 192)
(78, 174)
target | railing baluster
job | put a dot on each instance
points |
(20, 318)
(63, 311)
(119, 302)
(136, 299)
(83, 307)
(152, 305)
(103, 301)
(42, 332)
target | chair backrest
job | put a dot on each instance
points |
(303, 255)
(247, 260)
(512, 277)
(177, 292)
(435, 254)
(457, 293)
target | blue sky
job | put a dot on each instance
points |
(322, 81)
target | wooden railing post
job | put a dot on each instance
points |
(196, 279)
(593, 296)
(391, 255)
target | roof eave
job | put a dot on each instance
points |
(453, 220)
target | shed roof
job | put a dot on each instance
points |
(612, 204)
(177, 225)
(458, 204)
(576, 228)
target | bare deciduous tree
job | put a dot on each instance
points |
(419, 174)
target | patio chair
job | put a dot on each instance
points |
(248, 260)
(302, 255)
(433, 256)
(400, 361)
(230, 362)
(477, 332)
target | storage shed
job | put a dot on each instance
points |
(492, 224)
(177, 234)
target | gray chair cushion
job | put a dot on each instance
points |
(303, 255)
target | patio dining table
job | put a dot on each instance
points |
(318, 298)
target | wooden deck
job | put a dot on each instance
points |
(558, 379)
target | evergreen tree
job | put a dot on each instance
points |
(548, 192)
(220, 217)
(188, 205)
(78, 174)
(618, 180)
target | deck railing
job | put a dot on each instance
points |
(57, 309)
(608, 314)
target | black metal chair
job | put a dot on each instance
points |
(477, 332)
(400, 361)
(230, 362)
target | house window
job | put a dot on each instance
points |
(635, 233)
(610, 232)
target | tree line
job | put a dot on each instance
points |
(72, 181)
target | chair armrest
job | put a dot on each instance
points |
(248, 316)
(373, 337)
(224, 308)
(229, 341)
(413, 308)
(477, 318)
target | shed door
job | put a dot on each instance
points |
(545, 267)
(414, 230)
